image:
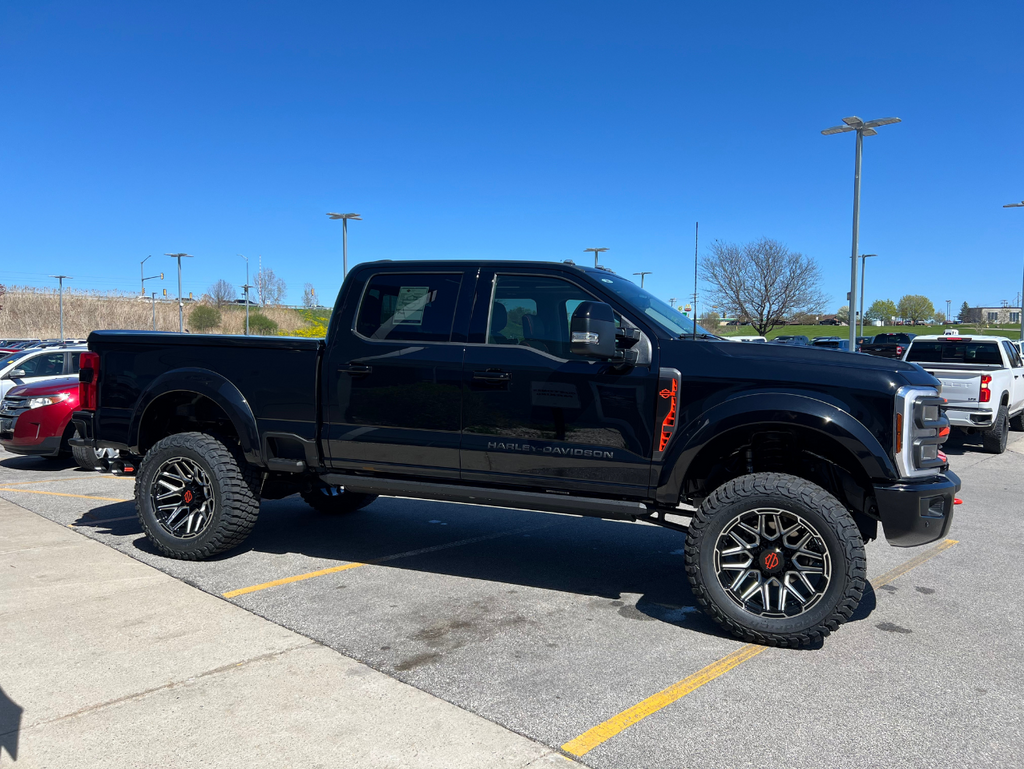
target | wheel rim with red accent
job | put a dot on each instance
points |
(183, 499)
(773, 563)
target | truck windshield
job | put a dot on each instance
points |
(662, 313)
(983, 353)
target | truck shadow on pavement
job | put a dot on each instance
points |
(634, 569)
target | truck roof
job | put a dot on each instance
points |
(492, 263)
(961, 338)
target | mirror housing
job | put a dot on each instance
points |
(16, 373)
(592, 331)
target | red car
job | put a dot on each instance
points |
(35, 419)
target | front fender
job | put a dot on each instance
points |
(211, 385)
(768, 410)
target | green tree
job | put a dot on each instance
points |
(914, 307)
(843, 314)
(710, 320)
(882, 309)
(965, 313)
(261, 324)
(940, 318)
(203, 318)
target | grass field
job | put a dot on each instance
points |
(843, 332)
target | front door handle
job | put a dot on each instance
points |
(355, 369)
(492, 377)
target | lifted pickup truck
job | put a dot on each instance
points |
(982, 381)
(888, 345)
(545, 387)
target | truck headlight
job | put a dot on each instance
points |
(920, 428)
(47, 400)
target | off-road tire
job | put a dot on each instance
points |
(994, 439)
(1017, 423)
(838, 531)
(334, 500)
(235, 485)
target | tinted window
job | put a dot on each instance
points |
(409, 307)
(982, 353)
(43, 365)
(892, 339)
(1012, 355)
(75, 356)
(534, 312)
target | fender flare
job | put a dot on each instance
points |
(210, 385)
(781, 409)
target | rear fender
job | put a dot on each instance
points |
(210, 385)
(767, 410)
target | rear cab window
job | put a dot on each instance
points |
(941, 351)
(408, 307)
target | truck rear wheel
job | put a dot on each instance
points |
(89, 458)
(195, 497)
(334, 500)
(994, 439)
(775, 560)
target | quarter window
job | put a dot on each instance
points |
(409, 307)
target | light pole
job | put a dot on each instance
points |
(246, 288)
(181, 306)
(947, 310)
(154, 310)
(863, 264)
(596, 252)
(344, 238)
(62, 278)
(863, 129)
(641, 274)
(1019, 205)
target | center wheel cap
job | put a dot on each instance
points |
(188, 497)
(772, 562)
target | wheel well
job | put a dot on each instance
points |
(785, 449)
(1005, 400)
(182, 412)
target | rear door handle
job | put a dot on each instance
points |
(492, 377)
(355, 369)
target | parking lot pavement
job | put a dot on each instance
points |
(583, 634)
(107, 662)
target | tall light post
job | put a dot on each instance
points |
(344, 238)
(181, 305)
(863, 129)
(947, 310)
(1019, 205)
(863, 272)
(596, 251)
(641, 274)
(62, 278)
(154, 310)
(246, 288)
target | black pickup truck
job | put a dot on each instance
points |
(888, 345)
(546, 387)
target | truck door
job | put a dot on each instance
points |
(392, 374)
(1017, 371)
(534, 414)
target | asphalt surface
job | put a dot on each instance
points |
(550, 625)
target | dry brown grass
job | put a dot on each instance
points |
(31, 313)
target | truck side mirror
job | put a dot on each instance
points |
(592, 331)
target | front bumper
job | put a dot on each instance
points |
(915, 514)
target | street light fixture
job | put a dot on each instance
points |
(641, 274)
(344, 238)
(863, 264)
(863, 129)
(181, 306)
(62, 278)
(1019, 205)
(596, 252)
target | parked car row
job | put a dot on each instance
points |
(38, 394)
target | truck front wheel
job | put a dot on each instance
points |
(775, 560)
(195, 497)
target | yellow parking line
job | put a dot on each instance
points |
(899, 571)
(385, 559)
(618, 723)
(59, 494)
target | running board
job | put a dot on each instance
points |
(476, 495)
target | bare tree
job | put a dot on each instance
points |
(308, 296)
(269, 288)
(763, 281)
(222, 293)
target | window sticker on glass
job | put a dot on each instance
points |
(411, 301)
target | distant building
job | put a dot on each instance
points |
(997, 315)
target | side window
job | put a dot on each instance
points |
(75, 357)
(44, 365)
(409, 307)
(534, 312)
(1012, 355)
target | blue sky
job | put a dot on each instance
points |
(524, 131)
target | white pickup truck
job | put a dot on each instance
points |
(982, 381)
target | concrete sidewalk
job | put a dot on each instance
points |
(105, 661)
